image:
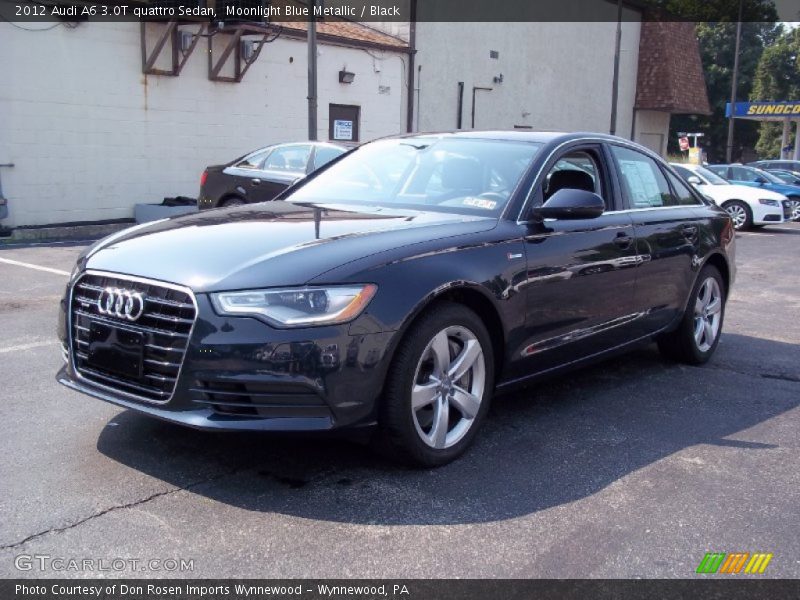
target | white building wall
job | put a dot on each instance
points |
(90, 135)
(556, 76)
(652, 130)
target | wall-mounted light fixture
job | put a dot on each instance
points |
(498, 78)
(186, 40)
(248, 49)
(346, 76)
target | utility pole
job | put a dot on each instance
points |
(312, 72)
(615, 83)
(734, 82)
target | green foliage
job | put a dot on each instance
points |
(777, 77)
(717, 47)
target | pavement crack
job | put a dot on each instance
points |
(111, 509)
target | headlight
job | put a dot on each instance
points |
(297, 307)
(769, 202)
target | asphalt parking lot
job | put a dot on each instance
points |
(633, 468)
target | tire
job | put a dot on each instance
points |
(740, 213)
(449, 411)
(794, 204)
(698, 333)
(232, 201)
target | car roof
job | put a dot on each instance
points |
(516, 135)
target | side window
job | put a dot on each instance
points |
(578, 169)
(681, 191)
(721, 171)
(642, 180)
(325, 154)
(254, 160)
(683, 171)
(288, 158)
(740, 174)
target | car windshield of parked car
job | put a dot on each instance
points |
(768, 176)
(786, 176)
(710, 176)
(472, 176)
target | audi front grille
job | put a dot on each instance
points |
(130, 334)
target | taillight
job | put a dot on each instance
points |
(203, 178)
(727, 232)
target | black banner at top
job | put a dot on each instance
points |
(263, 12)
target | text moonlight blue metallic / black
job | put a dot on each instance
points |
(399, 287)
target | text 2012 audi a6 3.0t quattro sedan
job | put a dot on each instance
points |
(399, 287)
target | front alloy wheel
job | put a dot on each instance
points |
(448, 387)
(438, 389)
(740, 214)
(794, 209)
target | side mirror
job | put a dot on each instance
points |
(760, 180)
(694, 180)
(569, 203)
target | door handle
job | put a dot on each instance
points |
(256, 182)
(689, 232)
(623, 240)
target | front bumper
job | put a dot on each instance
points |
(767, 215)
(240, 374)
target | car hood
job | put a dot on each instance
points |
(785, 189)
(721, 193)
(269, 244)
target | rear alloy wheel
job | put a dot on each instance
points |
(439, 388)
(794, 208)
(740, 214)
(697, 336)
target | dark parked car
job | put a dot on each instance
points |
(785, 176)
(787, 165)
(263, 174)
(398, 288)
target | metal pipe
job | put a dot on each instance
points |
(734, 82)
(785, 138)
(460, 104)
(412, 52)
(312, 72)
(797, 141)
(615, 81)
(419, 90)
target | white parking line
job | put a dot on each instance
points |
(27, 346)
(35, 267)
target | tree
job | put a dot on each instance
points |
(717, 45)
(777, 78)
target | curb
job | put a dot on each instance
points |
(55, 234)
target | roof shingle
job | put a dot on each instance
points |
(670, 74)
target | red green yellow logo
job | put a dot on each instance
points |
(734, 562)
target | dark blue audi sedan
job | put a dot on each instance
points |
(398, 288)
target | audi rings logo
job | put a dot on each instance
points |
(120, 303)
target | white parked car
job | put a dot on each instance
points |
(748, 207)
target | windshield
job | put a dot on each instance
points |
(459, 175)
(768, 176)
(710, 176)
